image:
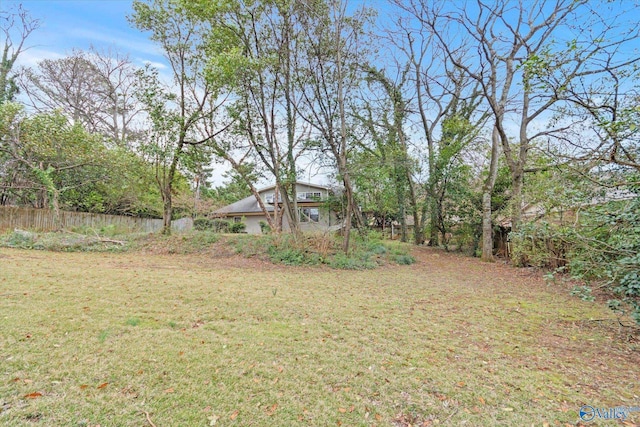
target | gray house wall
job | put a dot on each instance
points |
(248, 211)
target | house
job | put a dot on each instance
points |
(312, 210)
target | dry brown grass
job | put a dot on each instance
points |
(92, 339)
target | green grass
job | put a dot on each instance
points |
(107, 338)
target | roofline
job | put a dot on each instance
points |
(244, 213)
(232, 214)
(297, 182)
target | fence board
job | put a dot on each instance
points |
(12, 217)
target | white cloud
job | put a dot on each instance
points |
(31, 57)
(154, 64)
(124, 42)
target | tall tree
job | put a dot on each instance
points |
(516, 45)
(56, 156)
(397, 150)
(93, 88)
(176, 110)
(265, 118)
(437, 95)
(329, 68)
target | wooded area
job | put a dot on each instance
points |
(457, 115)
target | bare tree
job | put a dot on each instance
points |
(397, 148)
(329, 69)
(265, 115)
(440, 94)
(514, 46)
(16, 27)
(93, 88)
(519, 51)
(176, 111)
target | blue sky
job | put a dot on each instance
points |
(69, 24)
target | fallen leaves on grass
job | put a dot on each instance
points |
(405, 420)
(234, 415)
(103, 385)
(33, 395)
(272, 409)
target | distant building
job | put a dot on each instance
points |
(312, 210)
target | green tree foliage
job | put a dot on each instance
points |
(593, 237)
(234, 189)
(181, 115)
(49, 162)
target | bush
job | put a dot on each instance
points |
(19, 239)
(603, 247)
(238, 227)
(542, 245)
(353, 261)
(405, 259)
(200, 240)
(286, 256)
(378, 249)
(264, 227)
(321, 248)
(203, 224)
(220, 225)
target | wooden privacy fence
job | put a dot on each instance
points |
(42, 219)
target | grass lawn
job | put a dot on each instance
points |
(140, 339)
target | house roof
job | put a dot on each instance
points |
(246, 205)
(308, 184)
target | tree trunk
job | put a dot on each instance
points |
(290, 212)
(517, 184)
(487, 227)
(270, 219)
(55, 203)
(433, 218)
(418, 234)
(487, 189)
(347, 226)
(277, 211)
(516, 213)
(167, 210)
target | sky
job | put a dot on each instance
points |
(69, 24)
(80, 24)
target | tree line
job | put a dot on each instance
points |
(446, 118)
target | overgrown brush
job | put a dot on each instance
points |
(602, 248)
(64, 241)
(367, 251)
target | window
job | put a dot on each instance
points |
(237, 219)
(309, 214)
(315, 195)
